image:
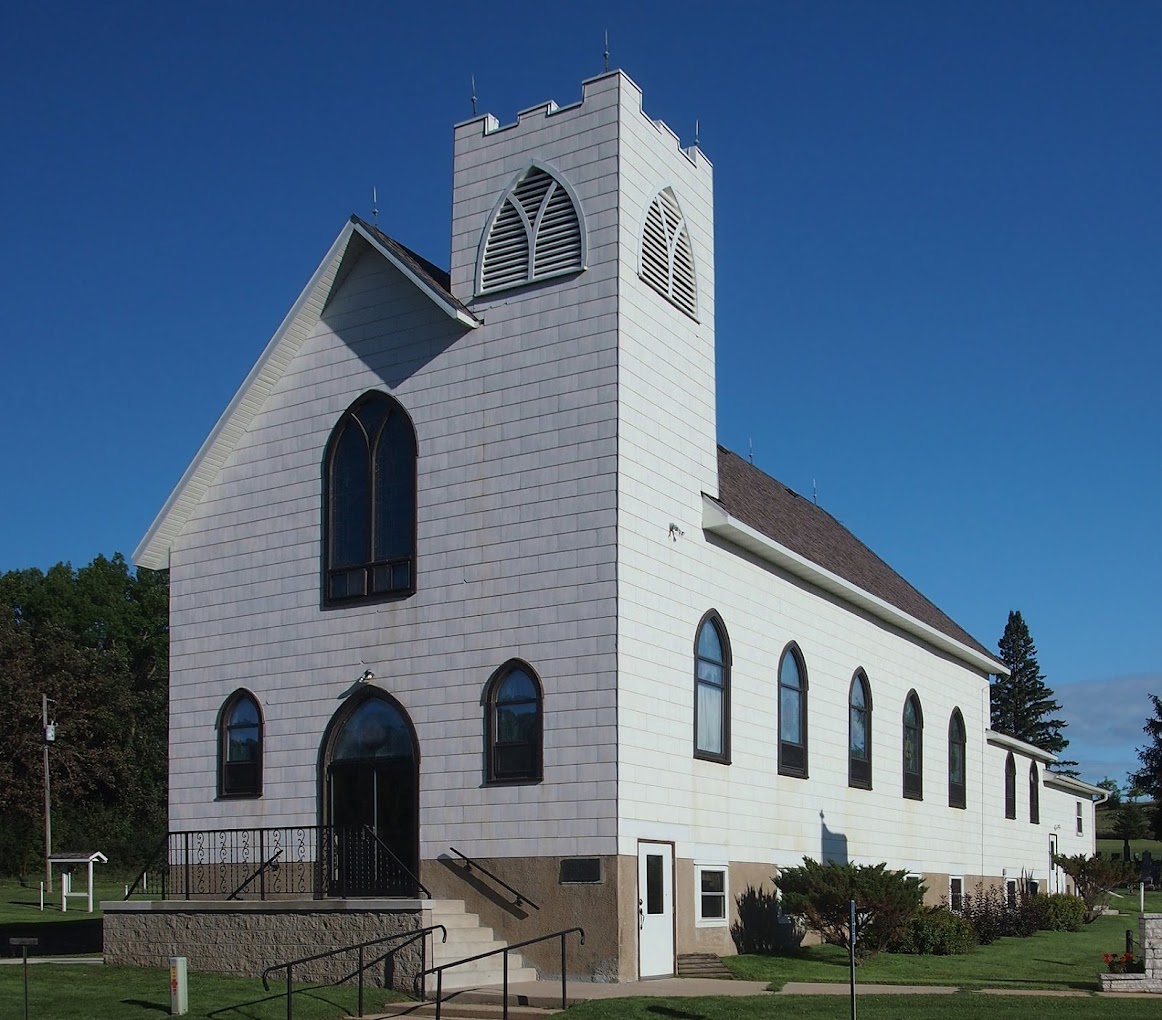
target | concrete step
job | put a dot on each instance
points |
(456, 1010)
(703, 965)
(460, 978)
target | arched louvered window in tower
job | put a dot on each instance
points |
(535, 232)
(667, 256)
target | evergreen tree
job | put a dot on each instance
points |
(1022, 705)
(1149, 777)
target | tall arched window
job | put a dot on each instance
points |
(240, 747)
(369, 500)
(859, 732)
(913, 748)
(792, 713)
(957, 781)
(1010, 786)
(712, 690)
(514, 715)
(1034, 794)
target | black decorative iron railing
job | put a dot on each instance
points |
(361, 948)
(421, 979)
(521, 899)
(288, 862)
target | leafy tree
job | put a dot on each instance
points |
(1149, 777)
(95, 641)
(1095, 878)
(1022, 705)
(1115, 791)
(885, 901)
(1129, 823)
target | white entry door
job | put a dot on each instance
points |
(655, 909)
(1056, 885)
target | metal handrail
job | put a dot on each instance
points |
(149, 861)
(261, 868)
(408, 936)
(403, 867)
(521, 899)
(439, 971)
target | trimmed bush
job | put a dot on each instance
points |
(936, 931)
(1063, 913)
(1095, 879)
(762, 927)
(821, 893)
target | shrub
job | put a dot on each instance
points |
(1095, 878)
(936, 931)
(885, 902)
(1063, 913)
(992, 916)
(762, 927)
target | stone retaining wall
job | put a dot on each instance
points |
(246, 938)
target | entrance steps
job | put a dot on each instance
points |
(458, 1010)
(468, 937)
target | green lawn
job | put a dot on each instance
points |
(22, 903)
(960, 1006)
(1053, 960)
(1137, 846)
(71, 992)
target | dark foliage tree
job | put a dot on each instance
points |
(1129, 823)
(1023, 706)
(95, 640)
(1149, 777)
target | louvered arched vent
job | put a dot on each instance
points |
(667, 256)
(534, 233)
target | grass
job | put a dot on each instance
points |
(70, 992)
(1047, 960)
(21, 904)
(1137, 846)
(961, 1006)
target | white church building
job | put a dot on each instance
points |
(462, 573)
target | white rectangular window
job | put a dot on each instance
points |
(710, 891)
(1080, 826)
(956, 894)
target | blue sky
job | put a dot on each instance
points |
(938, 257)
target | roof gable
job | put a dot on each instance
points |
(299, 323)
(772, 509)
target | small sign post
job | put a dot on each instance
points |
(179, 995)
(851, 953)
(24, 944)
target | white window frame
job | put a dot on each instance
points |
(701, 921)
(951, 895)
(1080, 825)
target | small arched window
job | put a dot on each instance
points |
(913, 748)
(535, 232)
(369, 500)
(712, 690)
(667, 262)
(957, 781)
(792, 713)
(1034, 794)
(1010, 786)
(859, 732)
(240, 747)
(514, 716)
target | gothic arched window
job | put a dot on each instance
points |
(859, 732)
(240, 746)
(514, 713)
(369, 501)
(913, 748)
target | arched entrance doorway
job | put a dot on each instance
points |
(370, 772)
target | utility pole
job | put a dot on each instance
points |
(47, 735)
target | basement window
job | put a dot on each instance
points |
(710, 895)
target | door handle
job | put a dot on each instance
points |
(641, 917)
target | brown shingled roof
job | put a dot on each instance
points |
(436, 277)
(768, 506)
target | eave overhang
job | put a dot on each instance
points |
(998, 739)
(153, 550)
(717, 521)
